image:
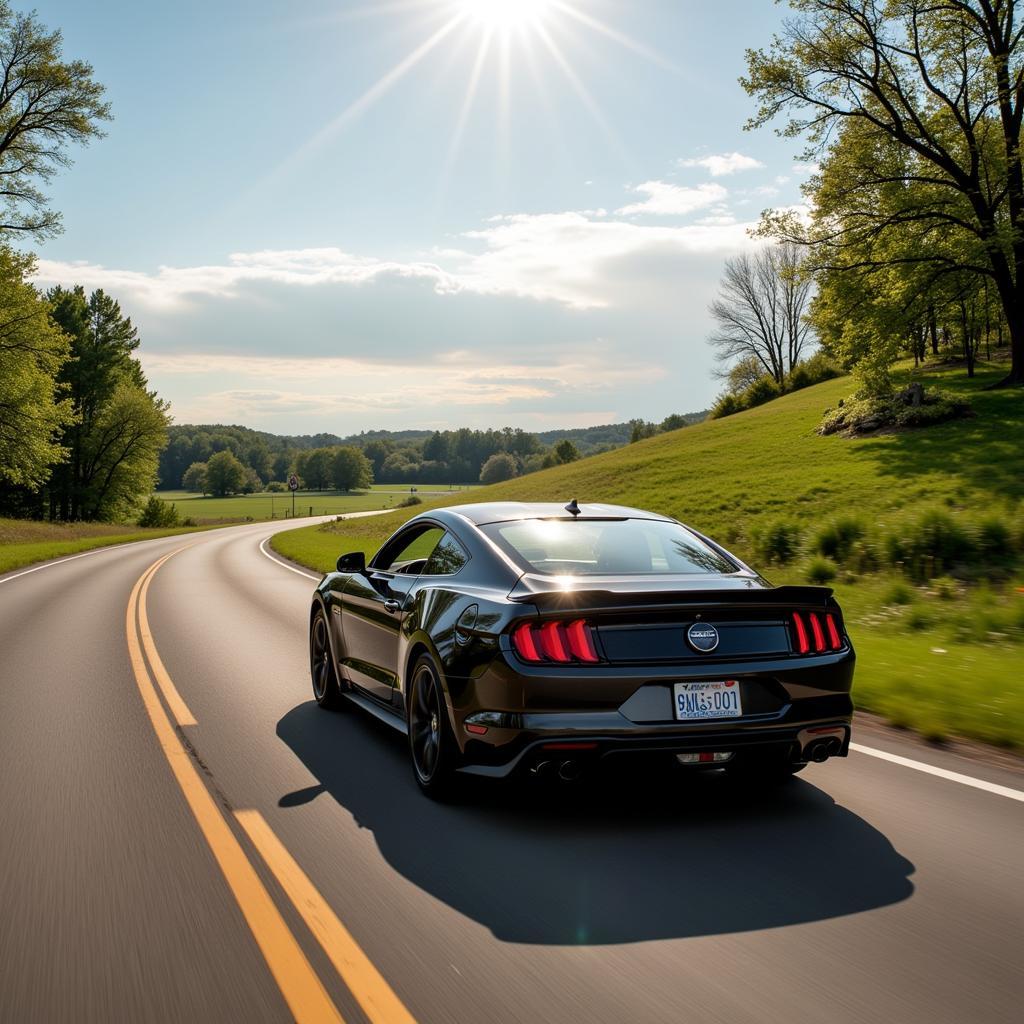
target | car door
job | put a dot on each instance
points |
(374, 607)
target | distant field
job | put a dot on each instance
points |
(939, 657)
(205, 510)
(23, 542)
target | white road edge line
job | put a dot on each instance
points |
(102, 548)
(70, 558)
(942, 773)
(285, 565)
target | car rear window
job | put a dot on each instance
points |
(606, 547)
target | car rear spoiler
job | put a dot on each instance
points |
(549, 597)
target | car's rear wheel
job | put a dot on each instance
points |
(433, 750)
(326, 691)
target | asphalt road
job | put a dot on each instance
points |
(141, 880)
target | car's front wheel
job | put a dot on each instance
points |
(326, 691)
(434, 755)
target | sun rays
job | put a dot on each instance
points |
(505, 40)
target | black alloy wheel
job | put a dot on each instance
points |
(430, 741)
(321, 665)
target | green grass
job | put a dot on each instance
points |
(257, 507)
(734, 478)
(23, 543)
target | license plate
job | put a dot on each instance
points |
(699, 701)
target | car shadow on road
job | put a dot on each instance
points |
(646, 858)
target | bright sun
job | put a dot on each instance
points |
(507, 14)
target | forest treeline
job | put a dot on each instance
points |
(461, 456)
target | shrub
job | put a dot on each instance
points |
(277, 486)
(764, 389)
(409, 502)
(725, 405)
(994, 540)
(777, 541)
(900, 594)
(932, 546)
(158, 513)
(500, 466)
(812, 371)
(821, 570)
(835, 540)
(865, 415)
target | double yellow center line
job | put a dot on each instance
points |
(299, 984)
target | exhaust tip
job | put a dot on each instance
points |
(569, 771)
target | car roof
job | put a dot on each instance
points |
(481, 513)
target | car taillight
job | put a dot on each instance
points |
(820, 638)
(557, 642)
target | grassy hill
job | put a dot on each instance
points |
(920, 533)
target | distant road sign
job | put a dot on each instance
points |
(293, 483)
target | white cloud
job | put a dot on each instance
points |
(806, 169)
(721, 164)
(170, 286)
(669, 200)
(558, 257)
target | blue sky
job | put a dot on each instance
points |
(319, 223)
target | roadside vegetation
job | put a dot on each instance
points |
(920, 533)
(206, 510)
(24, 542)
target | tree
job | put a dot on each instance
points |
(119, 457)
(32, 352)
(566, 451)
(500, 466)
(640, 430)
(315, 468)
(102, 369)
(258, 458)
(194, 478)
(46, 104)
(760, 310)
(919, 100)
(224, 474)
(435, 448)
(251, 482)
(351, 469)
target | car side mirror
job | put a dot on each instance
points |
(352, 562)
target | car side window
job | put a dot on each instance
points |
(409, 552)
(447, 558)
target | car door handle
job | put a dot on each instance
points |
(392, 606)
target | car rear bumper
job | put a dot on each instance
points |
(554, 742)
(793, 709)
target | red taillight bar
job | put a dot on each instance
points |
(819, 636)
(802, 645)
(833, 633)
(556, 642)
(822, 643)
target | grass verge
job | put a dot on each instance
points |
(25, 543)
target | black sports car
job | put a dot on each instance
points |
(536, 638)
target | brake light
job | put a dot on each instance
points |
(820, 637)
(557, 642)
(581, 644)
(833, 633)
(552, 644)
(524, 644)
(801, 633)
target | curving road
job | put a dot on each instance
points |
(272, 862)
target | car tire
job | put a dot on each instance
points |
(432, 747)
(323, 674)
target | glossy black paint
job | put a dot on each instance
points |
(382, 621)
